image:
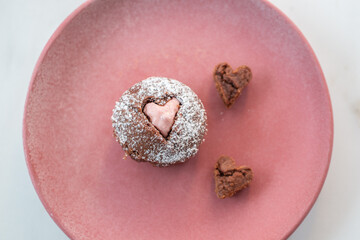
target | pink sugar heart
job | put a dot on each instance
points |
(162, 117)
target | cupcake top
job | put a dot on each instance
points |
(140, 138)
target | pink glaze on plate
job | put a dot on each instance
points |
(281, 125)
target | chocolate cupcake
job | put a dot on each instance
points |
(159, 120)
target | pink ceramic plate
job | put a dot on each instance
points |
(281, 126)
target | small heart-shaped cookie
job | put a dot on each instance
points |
(230, 179)
(162, 117)
(230, 83)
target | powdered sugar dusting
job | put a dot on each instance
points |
(135, 133)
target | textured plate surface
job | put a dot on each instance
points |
(281, 126)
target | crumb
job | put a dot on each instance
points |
(230, 179)
(230, 83)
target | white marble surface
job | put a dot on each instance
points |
(331, 27)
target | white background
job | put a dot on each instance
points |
(331, 26)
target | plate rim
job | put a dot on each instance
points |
(87, 3)
(43, 53)
(326, 89)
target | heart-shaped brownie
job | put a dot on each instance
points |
(230, 179)
(162, 117)
(230, 83)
